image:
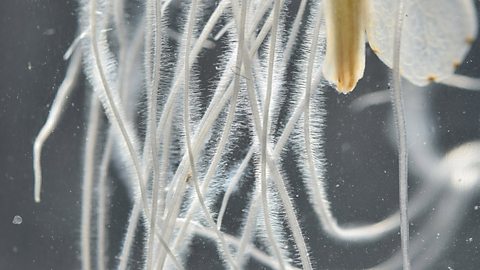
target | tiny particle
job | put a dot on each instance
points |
(469, 40)
(49, 32)
(29, 66)
(432, 78)
(456, 64)
(17, 220)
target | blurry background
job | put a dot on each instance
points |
(362, 169)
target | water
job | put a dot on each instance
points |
(353, 146)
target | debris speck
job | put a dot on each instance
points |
(17, 220)
(49, 32)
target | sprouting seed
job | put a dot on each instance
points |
(437, 34)
(345, 55)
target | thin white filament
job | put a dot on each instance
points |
(264, 137)
(401, 136)
(462, 82)
(291, 216)
(152, 118)
(102, 210)
(190, 25)
(226, 130)
(54, 115)
(87, 182)
(111, 106)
